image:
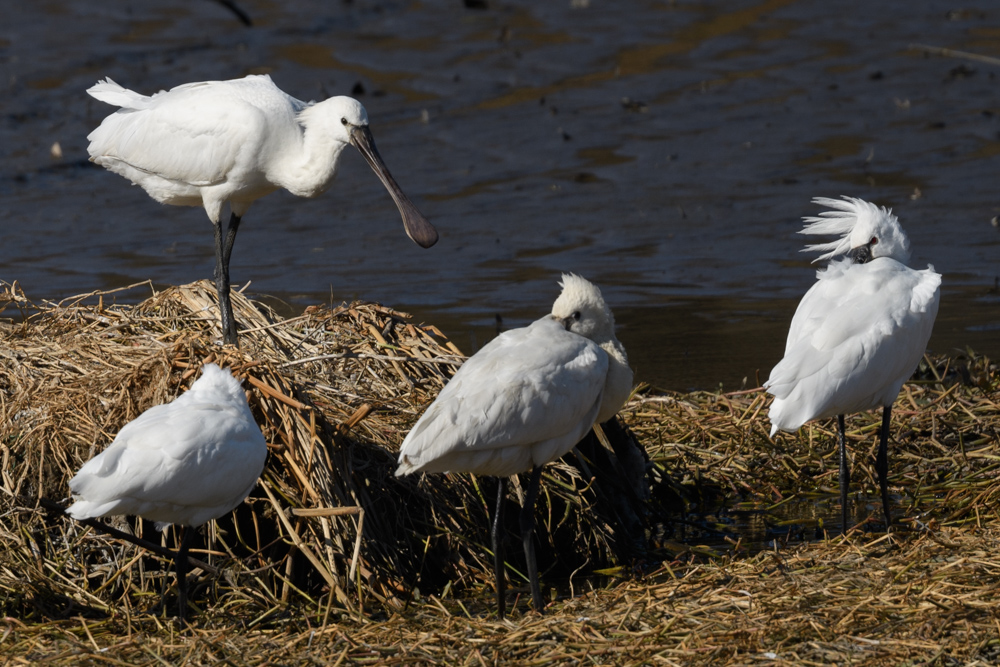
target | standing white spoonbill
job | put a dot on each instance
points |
(858, 333)
(184, 463)
(217, 142)
(523, 400)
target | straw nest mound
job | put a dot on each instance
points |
(333, 559)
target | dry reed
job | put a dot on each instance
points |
(334, 560)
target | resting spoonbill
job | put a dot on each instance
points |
(523, 400)
(858, 333)
(216, 142)
(184, 463)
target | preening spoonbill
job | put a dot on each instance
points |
(184, 463)
(858, 333)
(523, 400)
(216, 142)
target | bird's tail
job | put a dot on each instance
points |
(110, 92)
(405, 467)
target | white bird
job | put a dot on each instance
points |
(858, 333)
(525, 399)
(184, 463)
(216, 142)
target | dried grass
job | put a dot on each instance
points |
(326, 562)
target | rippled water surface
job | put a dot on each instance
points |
(665, 150)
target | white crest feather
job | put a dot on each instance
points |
(855, 221)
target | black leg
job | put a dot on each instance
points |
(181, 565)
(497, 535)
(845, 473)
(234, 226)
(882, 465)
(527, 533)
(223, 251)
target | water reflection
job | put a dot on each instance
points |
(750, 527)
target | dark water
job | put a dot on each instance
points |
(751, 527)
(665, 150)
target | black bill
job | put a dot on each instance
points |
(861, 254)
(417, 227)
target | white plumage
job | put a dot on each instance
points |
(528, 396)
(857, 335)
(526, 399)
(216, 142)
(184, 462)
(861, 330)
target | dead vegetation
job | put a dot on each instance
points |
(334, 560)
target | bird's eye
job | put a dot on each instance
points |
(343, 121)
(874, 241)
(576, 316)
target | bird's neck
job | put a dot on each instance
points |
(618, 384)
(309, 171)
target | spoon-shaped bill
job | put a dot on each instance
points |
(417, 227)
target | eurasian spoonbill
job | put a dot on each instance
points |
(183, 462)
(216, 142)
(523, 400)
(858, 333)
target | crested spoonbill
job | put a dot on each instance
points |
(523, 400)
(181, 463)
(858, 333)
(216, 142)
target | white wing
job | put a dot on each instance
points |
(856, 336)
(525, 399)
(196, 135)
(175, 463)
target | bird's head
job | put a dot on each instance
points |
(352, 118)
(866, 231)
(581, 309)
(336, 118)
(346, 122)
